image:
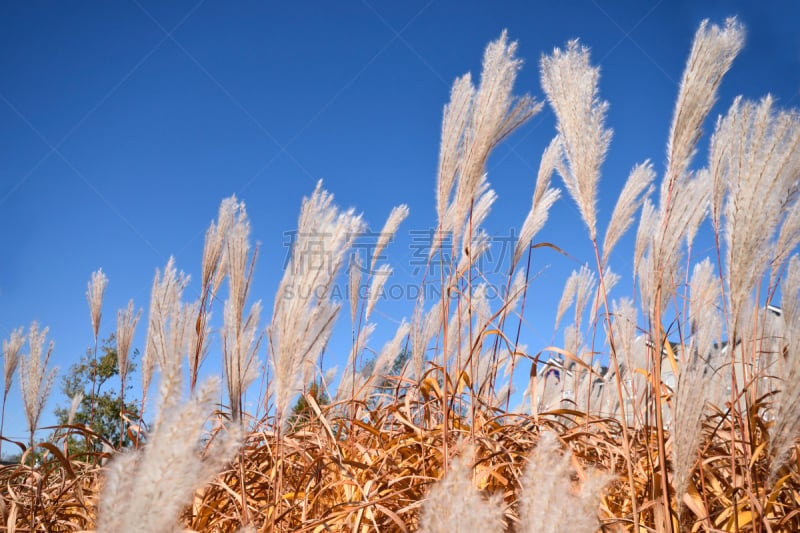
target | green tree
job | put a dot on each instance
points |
(302, 412)
(106, 419)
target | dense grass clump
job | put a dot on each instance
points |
(673, 409)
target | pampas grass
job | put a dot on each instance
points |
(455, 504)
(304, 314)
(240, 334)
(94, 295)
(11, 348)
(549, 504)
(35, 380)
(126, 325)
(762, 165)
(636, 190)
(145, 490)
(544, 197)
(570, 83)
(670, 409)
(787, 418)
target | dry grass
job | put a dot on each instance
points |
(635, 447)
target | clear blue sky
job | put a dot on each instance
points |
(123, 125)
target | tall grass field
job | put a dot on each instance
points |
(674, 408)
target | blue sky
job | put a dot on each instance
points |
(123, 125)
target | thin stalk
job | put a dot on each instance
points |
(94, 375)
(121, 413)
(662, 454)
(613, 356)
(141, 417)
(519, 326)
(445, 306)
(2, 421)
(732, 344)
(278, 473)
(33, 501)
(469, 333)
(200, 328)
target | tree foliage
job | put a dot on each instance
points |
(105, 421)
(302, 412)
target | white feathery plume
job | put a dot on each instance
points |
(704, 308)
(584, 288)
(455, 504)
(139, 493)
(570, 83)
(567, 297)
(11, 348)
(240, 344)
(624, 330)
(683, 201)
(481, 313)
(484, 369)
(354, 284)
(396, 217)
(713, 51)
(328, 376)
(197, 343)
(96, 288)
(479, 239)
(763, 168)
(456, 331)
(643, 233)
(495, 113)
(687, 414)
(347, 389)
(240, 263)
(385, 359)
(644, 273)
(697, 200)
(680, 219)
(549, 504)
(180, 334)
(470, 253)
(515, 292)
(379, 278)
(214, 248)
(391, 350)
(692, 386)
(543, 199)
(126, 325)
(73, 407)
(165, 322)
(636, 190)
(573, 340)
(610, 280)
(788, 239)
(454, 123)
(480, 307)
(304, 314)
(240, 335)
(718, 154)
(214, 268)
(423, 327)
(34, 379)
(585, 388)
(485, 198)
(787, 418)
